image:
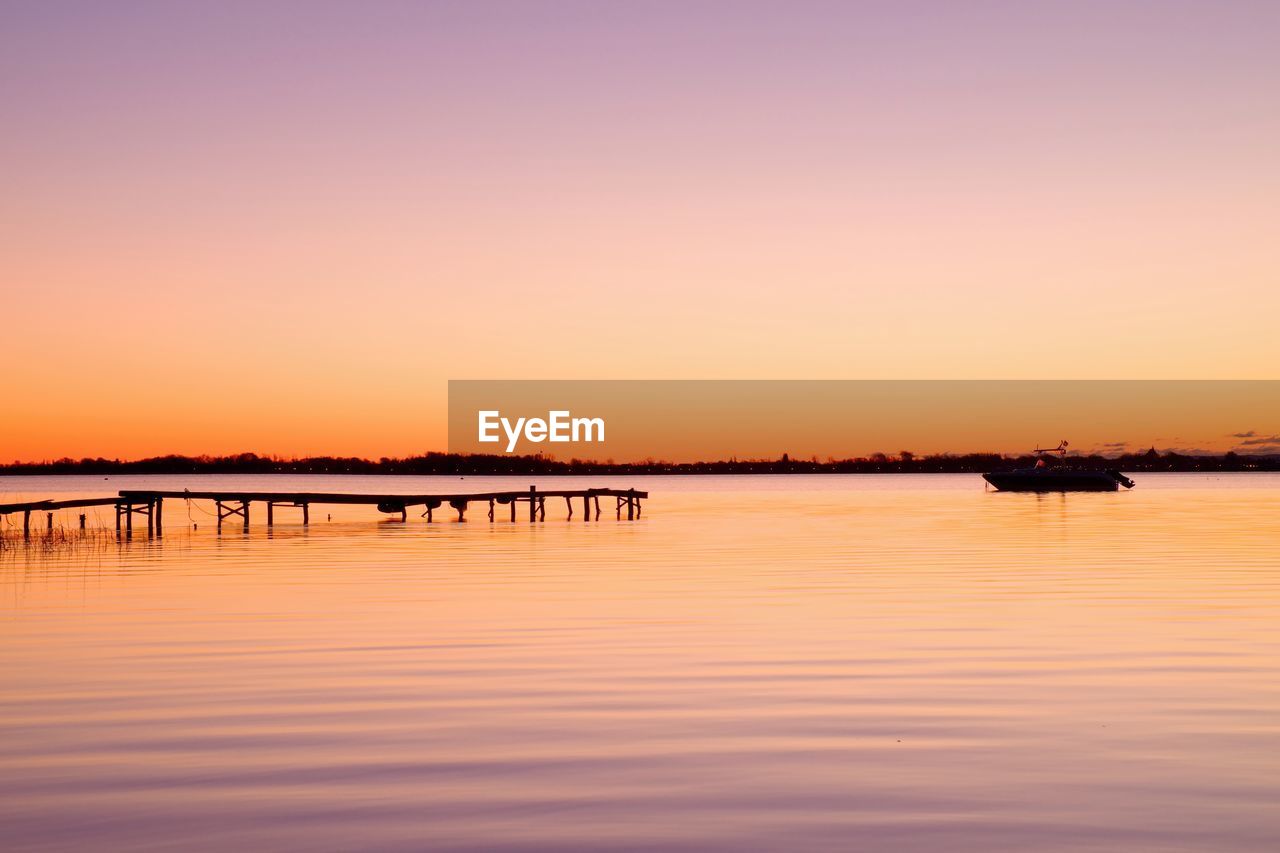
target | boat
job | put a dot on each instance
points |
(1045, 478)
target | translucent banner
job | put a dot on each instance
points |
(706, 420)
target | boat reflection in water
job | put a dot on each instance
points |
(1045, 478)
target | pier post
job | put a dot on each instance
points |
(568, 501)
(128, 519)
(461, 506)
(244, 507)
(217, 506)
(586, 507)
(631, 505)
(271, 513)
(428, 513)
(533, 503)
(597, 502)
(306, 515)
(159, 516)
(26, 524)
(151, 518)
(542, 509)
(49, 522)
(117, 519)
(513, 510)
(491, 509)
(82, 521)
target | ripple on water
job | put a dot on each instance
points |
(759, 663)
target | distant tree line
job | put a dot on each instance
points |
(903, 462)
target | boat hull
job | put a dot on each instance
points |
(1050, 480)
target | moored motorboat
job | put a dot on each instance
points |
(1055, 480)
(1043, 478)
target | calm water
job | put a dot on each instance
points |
(759, 663)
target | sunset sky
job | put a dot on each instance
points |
(282, 227)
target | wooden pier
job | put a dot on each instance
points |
(232, 504)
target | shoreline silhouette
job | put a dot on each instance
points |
(902, 462)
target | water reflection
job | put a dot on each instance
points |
(757, 663)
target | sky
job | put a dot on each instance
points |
(283, 227)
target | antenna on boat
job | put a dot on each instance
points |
(1061, 449)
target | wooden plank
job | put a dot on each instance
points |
(353, 498)
(55, 505)
(127, 498)
(29, 505)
